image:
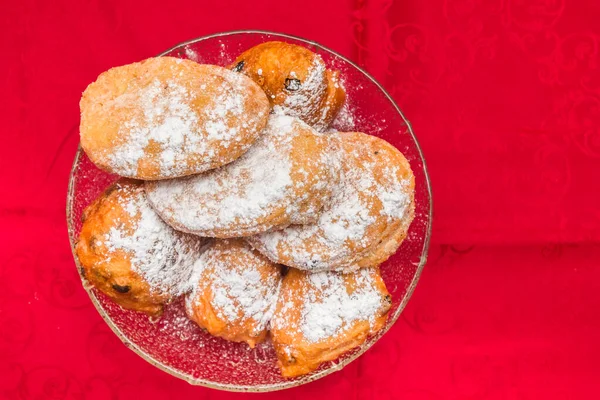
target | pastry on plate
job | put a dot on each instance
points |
(166, 117)
(295, 80)
(366, 219)
(234, 291)
(321, 316)
(285, 178)
(127, 252)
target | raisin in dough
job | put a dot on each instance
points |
(295, 80)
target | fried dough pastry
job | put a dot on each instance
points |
(295, 80)
(366, 220)
(321, 316)
(235, 291)
(127, 252)
(166, 117)
(285, 178)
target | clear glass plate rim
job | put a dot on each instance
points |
(309, 378)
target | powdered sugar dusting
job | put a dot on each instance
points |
(240, 291)
(191, 54)
(345, 119)
(239, 194)
(307, 100)
(162, 256)
(394, 195)
(240, 286)
(330, 307)
(166, 119)
(227, 105)
(341, 231)
(333, 309)
(172, 122)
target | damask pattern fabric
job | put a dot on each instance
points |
(504, 96)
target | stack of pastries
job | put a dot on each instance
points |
(237, 194)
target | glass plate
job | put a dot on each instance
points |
(175, 344)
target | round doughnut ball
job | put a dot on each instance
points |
(295, 80)
(166, 117)
(127, 252)
(366, 220)
(285, 178)
(235, 291)
(320, 316)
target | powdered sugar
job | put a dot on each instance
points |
(166, 119)
(239, 194)
(331, 305)
(340, 234)
(231, 195)
(240, 291)
(307, 100)
(162, 256)
(240, 286)
(393, 196)
(346, 218)
(345, 119)
(227, 105)
(191, 54)
(331, 309)
(350, 218)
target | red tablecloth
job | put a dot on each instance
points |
(504, 96)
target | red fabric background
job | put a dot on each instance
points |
(504, 96)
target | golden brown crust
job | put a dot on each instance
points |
(294, 335)
(166, 117)
(295, 80)
(236, 290)
(109, 267)
(366, 220)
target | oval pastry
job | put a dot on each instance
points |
(295, 80)
(283, 179)
(166, 117)
(235, 291)
(366, 220)
(320, 316)
(127, 252)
